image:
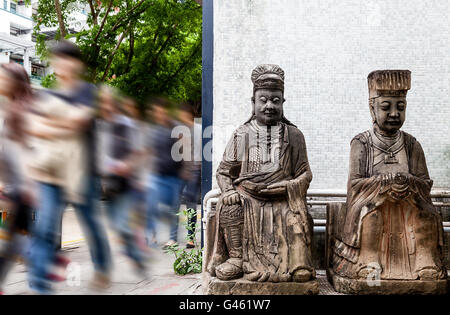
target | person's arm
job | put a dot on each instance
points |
(78, 120)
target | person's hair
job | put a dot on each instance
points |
(21, 94)
(158, 101)
(188, 108)
(65, 48)
(113, 94)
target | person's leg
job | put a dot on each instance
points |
(120, 209)
(42, 251)
(172, 199)
(138, 218)
(89, 215)
(8, 248)
(192, 194)
(7, 255)
(153, 198)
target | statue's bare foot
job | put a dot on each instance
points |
(429, 273)
(231, 269)
(302, 275)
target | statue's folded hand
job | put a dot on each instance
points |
(400, 186)
(231, 197)
(275, 189)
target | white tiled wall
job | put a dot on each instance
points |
(327, 48)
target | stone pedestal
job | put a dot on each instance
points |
(214, 286)
(388, 287)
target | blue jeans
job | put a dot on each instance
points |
(118, 211)
(89, 216)
(48, 225)
(192, 194)
(163, 199)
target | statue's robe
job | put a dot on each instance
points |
(277, 229)
(402, 222)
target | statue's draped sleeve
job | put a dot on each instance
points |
(230, 166)
(296, 188)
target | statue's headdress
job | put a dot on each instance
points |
(389, 82)
(268, 76)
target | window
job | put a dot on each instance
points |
(12, 7)
(5, 4)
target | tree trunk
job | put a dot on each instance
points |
(62, 28)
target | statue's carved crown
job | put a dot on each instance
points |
(268, 76)
(389, 82)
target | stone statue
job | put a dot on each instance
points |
(262, 229)
(389, 227)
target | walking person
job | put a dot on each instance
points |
(16, 194)
(118, 155)
(191, 192)
(64, 166)
(139, 130)
(165, 182)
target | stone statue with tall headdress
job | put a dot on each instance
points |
(389, 229)
(261, 230)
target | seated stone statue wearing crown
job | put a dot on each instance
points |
(263, 230)
(390, 225)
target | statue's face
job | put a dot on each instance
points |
(389, 112)
(268, 106)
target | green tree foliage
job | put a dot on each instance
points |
(143, 47)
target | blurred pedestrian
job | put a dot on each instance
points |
(16, 194)
(191, 192)
(165, 181)
(140, 131)
(118, 156)
(64, 166)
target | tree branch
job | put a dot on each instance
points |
(94, 12)
(194, 52)
(103, 21)
(125, 19)
(163, 46)
(131, 52)
(119, 41)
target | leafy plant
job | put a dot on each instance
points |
(49, 81)
(187, 260)
(143, 47)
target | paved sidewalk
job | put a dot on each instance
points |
(161, 278)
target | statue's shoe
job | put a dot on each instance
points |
(429, 273)
(229, 270)
(253, 276)
(369, 272)
(302, 275)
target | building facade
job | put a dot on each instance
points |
(17, 43)
(16, 28)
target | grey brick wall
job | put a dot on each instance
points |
(327, 48)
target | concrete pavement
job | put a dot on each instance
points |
(161, 278)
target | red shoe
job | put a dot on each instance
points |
(60, 260)
(55, 277)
